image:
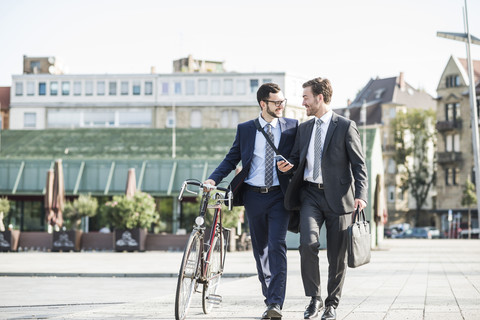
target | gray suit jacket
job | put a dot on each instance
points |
(343, 166)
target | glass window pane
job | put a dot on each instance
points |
(18, 88)
(178, 88)
(148, 88)
(88, 88)
(100, 118)
(63, 119)
(241, 87)
(135, 118)
(42, 88)
(228, 87)
(224, 119)
(53, 88)
(100, 88)
(136, 88)
(124, 88)
(65, 88)
(189, 87)
(29, 120)
(253, 85)
(112, 88)
(234, 120)
(215, 87)
(165, 88)
(196, 119)
(30, 88)
(267, 80)
(77, 88)
(203, 87)
(170, 119)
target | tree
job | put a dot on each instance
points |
(84, 206)
(469, 198)
(415, 141)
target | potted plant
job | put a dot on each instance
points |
(69, 239)
(131, 216)
(8, 238)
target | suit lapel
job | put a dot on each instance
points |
(283, 127)
(330, 130)
(306, 138)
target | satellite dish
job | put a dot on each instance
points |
(51, 69)
(51, 60)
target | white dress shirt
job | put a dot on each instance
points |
(308, 174)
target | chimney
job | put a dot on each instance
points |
(153, 70)
(349, 102)
(401, 81)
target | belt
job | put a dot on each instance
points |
(262, 189)
(315, 185)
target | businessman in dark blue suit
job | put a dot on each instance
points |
(261, 190)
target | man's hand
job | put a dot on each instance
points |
(284, 166)
(360, 204)
(210, 182)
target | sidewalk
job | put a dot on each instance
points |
(407, 279)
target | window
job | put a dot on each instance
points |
(63, 119)
(29, 120)
(170, 123)
(448, 176)
(88, 88)
(452, 111)
(455, 176)
(203, 87)
(189, 87)
(267, 80)
(99, 118)
(77, 88)
(53, 88)
(178, 88)
(391, 166)
(393, 112)
(452, 81)
(456, 143)
(100, 88)
(135, 118)
(228, 87)
(449, 143)
(253, 85)
(391, 193)
(224, 118)
(196, 119)
(234, 119)
(165, 88)
(215, 87)
(241, 87)
(136, 88)
(35, 66)
(124, 88)
(228, 118)
(30, 88)
(112, 88)
(65, 88)
(18, 88)
(42, 88)
(148, 88)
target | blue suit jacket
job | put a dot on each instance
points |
(242, 150)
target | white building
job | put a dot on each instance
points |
(200, 100)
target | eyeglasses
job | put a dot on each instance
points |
(278, 103)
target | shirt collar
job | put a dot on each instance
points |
(326, 117)
(263, 123)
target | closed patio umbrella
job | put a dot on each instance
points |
(48, 200)
(131, 183)
(58, 192)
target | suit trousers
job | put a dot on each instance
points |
(314, 213)
(268, 223)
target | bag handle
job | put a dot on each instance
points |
(259, 128)
(359, 216)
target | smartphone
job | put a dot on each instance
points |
(279, 157)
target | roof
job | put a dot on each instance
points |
(5, 97)
(476, 68)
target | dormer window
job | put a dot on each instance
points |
(452, 81)
(378, 93)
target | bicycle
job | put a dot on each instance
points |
(203, 261)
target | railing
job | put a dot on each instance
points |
(449, 157)
(449, 125)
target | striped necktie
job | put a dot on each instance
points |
(318, 149)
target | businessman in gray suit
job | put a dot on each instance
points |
(329, 183)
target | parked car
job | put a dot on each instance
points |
(434, 232)
(416, 233)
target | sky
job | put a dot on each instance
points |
(346, 41)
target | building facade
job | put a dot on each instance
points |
(376, 105)
(189, 100)
(454, 143)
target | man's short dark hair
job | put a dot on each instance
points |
(320, 86)
(263, 93)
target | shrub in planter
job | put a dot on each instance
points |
(131, 216)
(83, 206)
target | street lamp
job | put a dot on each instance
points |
(469, 39)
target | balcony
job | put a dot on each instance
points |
(449, 157)
(449, 125)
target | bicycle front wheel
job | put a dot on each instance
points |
(187, 276)
(214, 273)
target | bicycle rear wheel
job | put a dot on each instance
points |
(214, 273)
(187, 276)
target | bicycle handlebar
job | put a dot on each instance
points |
(209, 187)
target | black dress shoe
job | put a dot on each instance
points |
(329, 313)
(312, 309)
(273, 312)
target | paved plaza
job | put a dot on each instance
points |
(407, 279)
